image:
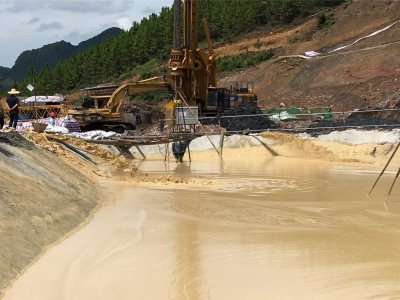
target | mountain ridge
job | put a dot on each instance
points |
(48, 54)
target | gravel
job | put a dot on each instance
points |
(365, 123)
(246, 116)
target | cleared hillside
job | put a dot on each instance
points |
(354, 77)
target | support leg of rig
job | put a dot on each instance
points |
(124, 150)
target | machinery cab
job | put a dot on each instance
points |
(237, 99)
(217, 99)
(95, 102)
(97, 97)
(242, 92)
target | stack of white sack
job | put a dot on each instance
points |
(95, 135)
(56, 129)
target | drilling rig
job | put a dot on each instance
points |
(194, 71)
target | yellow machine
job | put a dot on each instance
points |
(193, 79)
(195, 71)
(101, 108)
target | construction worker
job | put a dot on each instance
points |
(136, 113)
(52, 120)
(12, 103)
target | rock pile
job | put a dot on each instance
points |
(366, 123)
(245, 116)
(14, 139)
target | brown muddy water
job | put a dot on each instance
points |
(272, 228)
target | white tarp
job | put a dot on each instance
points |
(313, 53)
(282, 116)
(56, 129)
(95, 135)
(57, 98)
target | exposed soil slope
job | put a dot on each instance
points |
(47, 191)
(354, 77)
(42, 197)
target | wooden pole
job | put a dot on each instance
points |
(170, 128)
(202, 128)
(397, 175)
(221, 141)
(185, 130)
(388, 162)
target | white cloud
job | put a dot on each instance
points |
(124, 23)
(80, 7)
(34, 20)
(37, 23)
(49, 26)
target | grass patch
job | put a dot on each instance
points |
(152, 97)
(325, 21)
(243, 60)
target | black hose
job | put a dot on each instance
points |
(75, 150)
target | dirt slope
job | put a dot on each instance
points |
(364, 74)
(48, 192)
(354, 77)
(42, 197)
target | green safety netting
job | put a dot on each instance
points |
(296, 113)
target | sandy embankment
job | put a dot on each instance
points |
(43, 198)
(352, 146)
(47, 193)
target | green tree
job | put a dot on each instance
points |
(44, 83)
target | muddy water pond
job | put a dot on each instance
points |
(273, 228)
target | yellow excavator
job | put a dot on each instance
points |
(101, 107)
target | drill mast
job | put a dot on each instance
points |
(193, 69)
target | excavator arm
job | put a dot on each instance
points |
(124, 91)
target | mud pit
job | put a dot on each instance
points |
(268, 227)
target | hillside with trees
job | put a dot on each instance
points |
(129, 52)
(357, 65)
(48, 56)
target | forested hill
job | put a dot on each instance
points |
(51, 54)
(148, 44)
(3, 72)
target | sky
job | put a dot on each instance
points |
(28, 25)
